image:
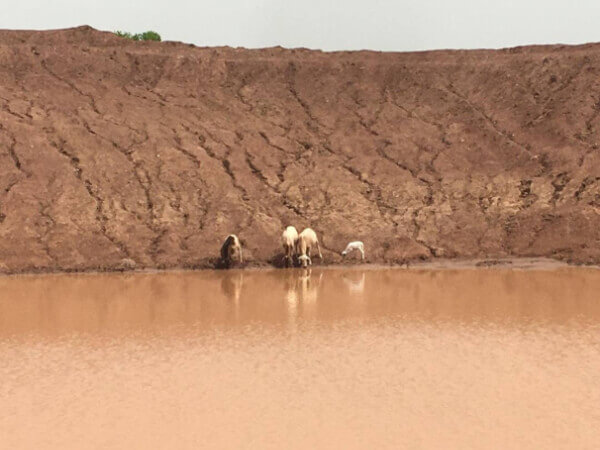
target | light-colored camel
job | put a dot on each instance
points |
(289, 240)
(355, 245)
(306, 240)
(231, 250)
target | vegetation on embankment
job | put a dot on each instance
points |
(145, 36)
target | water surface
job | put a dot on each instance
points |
(388, 358)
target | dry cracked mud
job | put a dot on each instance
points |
(117, 154)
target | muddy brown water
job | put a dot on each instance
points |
(387, 358)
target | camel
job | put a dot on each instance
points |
(289, 240)
(231, 250)
(306, 240)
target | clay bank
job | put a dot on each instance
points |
(117, 154)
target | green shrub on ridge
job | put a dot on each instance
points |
(145, 36)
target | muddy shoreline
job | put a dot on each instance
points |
(441, 264)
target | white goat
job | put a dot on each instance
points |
(355, 245)
(289, 240)
(306, 240)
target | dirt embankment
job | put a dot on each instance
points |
(112, 150)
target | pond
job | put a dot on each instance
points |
(331, 358)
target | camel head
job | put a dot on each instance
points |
(304, 260)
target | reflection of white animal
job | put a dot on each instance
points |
(306, 240)
(289, 240)
(309, 287)
(355, 286)
(356, 245)
(231, 250)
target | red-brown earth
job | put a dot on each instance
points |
(116, 153)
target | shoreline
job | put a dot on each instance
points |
(533, 264)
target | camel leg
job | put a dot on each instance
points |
(230, 257)
(287, 259)
(319, 248)
(294, 253)
(241, 258)
(362, 254)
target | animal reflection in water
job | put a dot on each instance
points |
(301, 290)
(301, 293)
(355, 282)
(231, 285)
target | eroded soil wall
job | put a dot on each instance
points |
(112, 150)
